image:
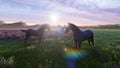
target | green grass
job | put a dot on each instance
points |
(50, 54)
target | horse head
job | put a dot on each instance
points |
(72, 27)
(67, 28)
(45, 26)
(48, 27)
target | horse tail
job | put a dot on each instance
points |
(92, 38)
(23, 30)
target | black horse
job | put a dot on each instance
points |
(37, 33)
(79, 35)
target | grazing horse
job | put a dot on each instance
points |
(79, 35)
(38, 33)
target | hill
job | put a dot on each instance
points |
(23, 26)
(17, 26)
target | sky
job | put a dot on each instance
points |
(60, 12)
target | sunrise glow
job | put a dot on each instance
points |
(54, 18)
(82, 12)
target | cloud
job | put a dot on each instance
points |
(106, 11)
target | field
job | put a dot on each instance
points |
(51, 53)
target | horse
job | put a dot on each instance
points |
(59, 32)
(37, 33)
(79, 35)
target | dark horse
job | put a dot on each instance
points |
(79, 35)
(38, 33)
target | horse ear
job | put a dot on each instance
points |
(69, 24)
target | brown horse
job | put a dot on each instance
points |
(37, 33)
(79, 35)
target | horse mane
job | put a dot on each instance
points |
(40, 27)
(73, 26)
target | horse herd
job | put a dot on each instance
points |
(78, 35)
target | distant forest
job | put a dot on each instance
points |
(116, 26)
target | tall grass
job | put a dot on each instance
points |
(50, 53)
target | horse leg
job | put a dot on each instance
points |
(39, 40)
(75, 43)
(89, 42)
(26, 37)
(79, 44)
(92, 40)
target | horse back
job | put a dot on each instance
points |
(23, 30)
(87, 34)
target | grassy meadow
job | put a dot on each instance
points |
(51, 54)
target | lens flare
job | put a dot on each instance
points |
(73, 53)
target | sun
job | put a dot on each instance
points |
(54, 17)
